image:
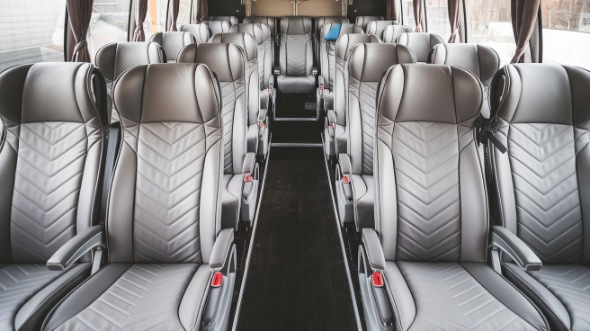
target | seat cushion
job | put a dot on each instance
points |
(231, 196)
(296, 84)
(135, 297)
(454, 296)
(28, 291)
(561, 291)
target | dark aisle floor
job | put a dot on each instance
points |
(296, 278)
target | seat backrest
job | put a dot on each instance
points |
(543, 196)
(482, 61)
(318, 24)
(328, 52)
(199, 31)
(393, 32)
(52, 119)
(247, 43)
(271, 22)
(229, 19)
(263, 44)
(164, 204)
(363, 21)
(421, 43)
(296, 46)
(172, 42)
(228, 63)
(216, 27)
(426, 161)
(366, 66)
(377, 27)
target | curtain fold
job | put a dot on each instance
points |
(174, 9)
(141, 7)
(418, 14)
(79, 14)
(524, 18)
(202, 11)
(392, 10)
(454, 7)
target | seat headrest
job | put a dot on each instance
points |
(421, 43)
(296, 25)
(243, 40)
(113, 59)
(227, 61)
(229, 19)
(362, 21)
(429, 93)
(321, 21)
(199, 31)
(269, 21)
(541, 93)
(346, 42)
(254, 29)
(52, 92)
(344, 28)
(216, 27)
(483, 61)
(172, 42)
(168, 93)
(377, 27)
(368, 62)
(393, 32)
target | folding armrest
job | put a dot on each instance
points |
(515, 248)
(77, 247)
(373, 249)
(331, 114)
(321, 85)
(346, 170)
(221, 249)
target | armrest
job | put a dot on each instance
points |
(321, 85)
(331, 115)
(77, 247)
(271, 82)
(221, 249)
(345, 165)
(249, 164)
(262, 113)
(373, 249)
(515, 248)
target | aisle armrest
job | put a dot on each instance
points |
(77, 247)
(507, 242)
(373, 249)
(221, 249)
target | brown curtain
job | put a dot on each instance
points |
(79, 13)
(202, 11)
(392, 10)
(454, 6)
(418, 14)
(174, 9)
(524, 18)
(141, 7)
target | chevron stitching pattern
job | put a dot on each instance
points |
(543, 160)
(145, 297)
(331, 49)
(296, 52)
(366, 94)
(18, 282)
(47, 183)
(429, 213)
(448, 298)
(571, 284)
(260, 62)
(231, 92)
(168, 187)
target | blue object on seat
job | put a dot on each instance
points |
(334, 32)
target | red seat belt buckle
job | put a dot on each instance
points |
(345, 179)
(377, 279)
(217, 279)
(331, 125)
(261, 125)
(248, 178)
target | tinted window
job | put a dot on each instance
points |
(408, 13)
(109, 23)
(155, 20)
(184, 13)
(437, 16)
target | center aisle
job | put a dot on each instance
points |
(296, 278)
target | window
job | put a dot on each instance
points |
(155, 20)
(566, 32)
(31, 31)
(184, 13)
(109, 23)
(489, 23)
(408, 13)
(437, 16)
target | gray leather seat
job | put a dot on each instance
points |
(258, 134)
(199, 31)
(271, 23)
(115, 58)
(334, 132)
(296, 56)
(378, 27)
(51, 148)
(482, 61)
(363, 21)
(543, 113)
(228, 62)
(366, 65)
(318, 24)
(421, 43)
(231, 20)
(164, 233)
(216, 27)
(393, 32)
(325, 91)
(172, 43)
(431, 237)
